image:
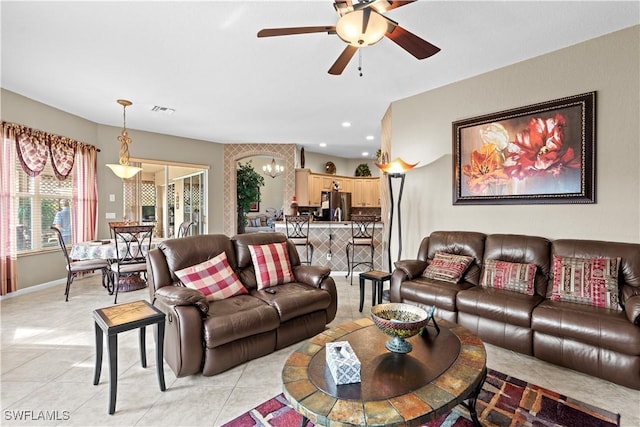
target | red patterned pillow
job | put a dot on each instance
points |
(271, 264)
(590, 281)
(447, 267)
(511, 276)
(214, 278)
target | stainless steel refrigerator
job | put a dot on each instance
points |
(339, 206)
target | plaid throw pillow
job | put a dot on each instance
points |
(511, 276)
(590, 281)
(271, 264)
(214, 278)
(447, 267)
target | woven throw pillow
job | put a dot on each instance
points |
(214, 278)
(447, 267)
(511, 276)
(271, 264)
(590, 281)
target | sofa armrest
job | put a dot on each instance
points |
(178, 295)
(311, 275)
(411, 268)
(632, 309)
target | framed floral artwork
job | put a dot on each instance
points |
(255, 207)
(542, 153)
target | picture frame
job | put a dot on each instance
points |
(255, 207)
(538, 154)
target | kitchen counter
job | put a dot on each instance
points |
(330, 238)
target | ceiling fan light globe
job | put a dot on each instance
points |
(349, 28)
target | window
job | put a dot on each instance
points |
(39, 199)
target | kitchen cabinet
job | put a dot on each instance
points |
(365, 192)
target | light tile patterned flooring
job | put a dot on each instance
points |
(48, 357)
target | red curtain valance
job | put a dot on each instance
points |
(34, 147)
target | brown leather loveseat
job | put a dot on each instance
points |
(602, 342)
(213, 336)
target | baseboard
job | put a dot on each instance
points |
(33, 288)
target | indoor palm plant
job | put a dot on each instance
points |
(248, 183)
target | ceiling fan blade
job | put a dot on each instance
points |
(271, 32)
(342, 61)
(413, 44)
(366, 14)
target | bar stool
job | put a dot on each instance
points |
(362, 230)
(298, 233)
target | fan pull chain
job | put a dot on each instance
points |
(360, 61)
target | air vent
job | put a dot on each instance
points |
(164, 110)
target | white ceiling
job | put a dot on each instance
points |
(204, 60)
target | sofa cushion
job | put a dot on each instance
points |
(214, 278)
(239, 317)
(295, 299)
(432, 292)
(512, 276)
(447, 267)
(598, 327)
(271, 264)
(590, 281)
(468, 243)
(504, 306)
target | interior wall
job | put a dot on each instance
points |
(316, 162)
(35, 269)
(609, 65)
(272, 194)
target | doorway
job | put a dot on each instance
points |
(166, 194)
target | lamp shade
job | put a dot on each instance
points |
(349, 28)
(396, 166)
(123, 171)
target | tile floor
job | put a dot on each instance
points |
(48, 357)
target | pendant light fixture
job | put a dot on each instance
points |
(122, 169)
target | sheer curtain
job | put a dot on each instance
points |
(85, 196)
(33, 148)
(8, 213)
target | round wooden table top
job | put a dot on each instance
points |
(395, 389)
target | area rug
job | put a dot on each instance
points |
(503, 401)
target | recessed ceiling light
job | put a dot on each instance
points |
(365, 154)
(323, 144)
(370, 137)
(346, 124)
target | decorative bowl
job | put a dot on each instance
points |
(399, 321)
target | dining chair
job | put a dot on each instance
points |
(183, 230)
(132, 246)
(120, 224)
(362, 230)
(298, 232)
(74, 268)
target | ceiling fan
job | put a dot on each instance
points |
(362, 24)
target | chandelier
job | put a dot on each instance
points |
(122, 169)
(272, 169)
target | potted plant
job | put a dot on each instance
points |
(363, 170)
(248, 183)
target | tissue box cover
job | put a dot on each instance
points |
(342, 362)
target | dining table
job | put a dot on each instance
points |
(106, 249)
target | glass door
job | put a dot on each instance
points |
(193, 197)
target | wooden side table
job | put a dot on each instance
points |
(110, 321)
(378, 278)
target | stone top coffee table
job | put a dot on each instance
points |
(442, 371)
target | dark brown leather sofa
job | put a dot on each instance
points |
(600, 342)
(211, 337)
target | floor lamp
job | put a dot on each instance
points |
(395, 169)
